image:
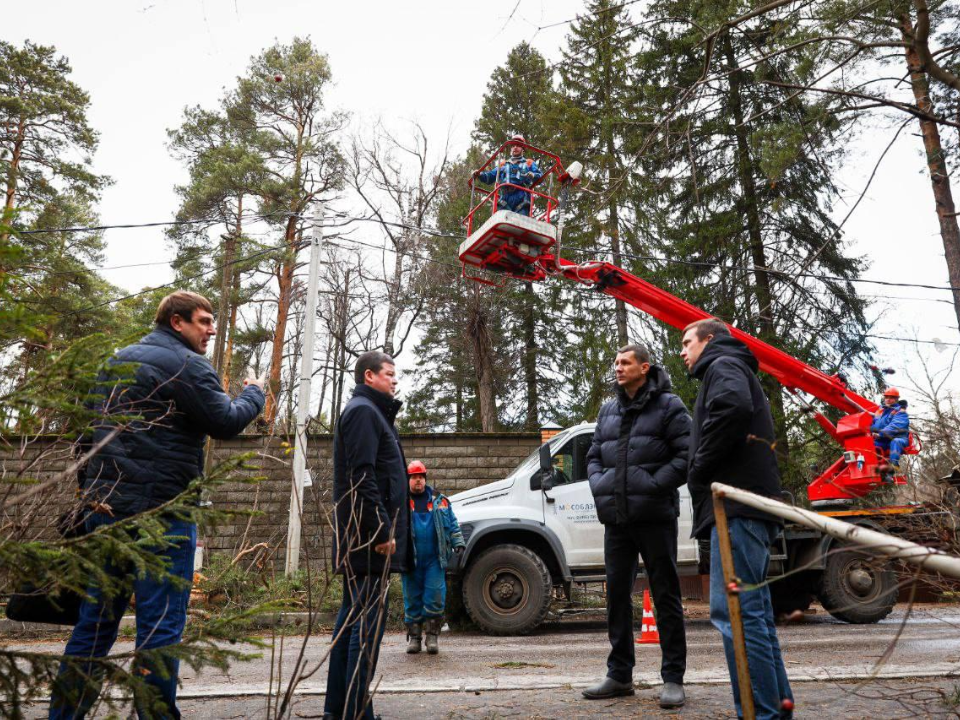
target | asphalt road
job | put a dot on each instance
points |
(825, 658)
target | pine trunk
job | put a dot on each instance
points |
(11, 189)
(284, 297)
(231, 331)
(936, 163)
(225, 305)
(620, 307)
(478, 333)
(751, 208)
(530, 355)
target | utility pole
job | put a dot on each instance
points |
(303, 403)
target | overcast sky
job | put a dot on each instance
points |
(143, 61)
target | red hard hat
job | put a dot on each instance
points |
(891, 392)
(416, 468)
(519, 138)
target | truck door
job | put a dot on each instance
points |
(568, 508)
(687, 550)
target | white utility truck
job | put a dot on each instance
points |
(535, 533)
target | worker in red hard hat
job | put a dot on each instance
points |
(516, 173)
(891, 428)
(436, 536)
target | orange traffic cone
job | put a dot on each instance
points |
(649, 635)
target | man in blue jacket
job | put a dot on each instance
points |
(371, 531)
(635, 465)
(436, 536)
(732, 443)
(891, 427)
(178, 401)
(518, 171)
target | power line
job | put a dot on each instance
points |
(574, 19)
(127, 226)
(782, 274)
(179, 281)
(914, 340)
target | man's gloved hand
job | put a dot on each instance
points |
(458, 550)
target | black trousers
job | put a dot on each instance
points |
(657, 545)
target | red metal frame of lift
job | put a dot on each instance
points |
(852, 476)
(556, 168)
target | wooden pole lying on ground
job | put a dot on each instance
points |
(879, 543)
(732, 587)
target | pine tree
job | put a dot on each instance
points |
(228, 180)
(297, 138)
(600, 89)
(466, 363)
(521, 99)
(46, 144)
(43, 129)
(743, 213)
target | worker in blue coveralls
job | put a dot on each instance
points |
(517, 170)
(891, 427)
(436, 535)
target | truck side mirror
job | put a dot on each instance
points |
(546, 459)
(546, 479)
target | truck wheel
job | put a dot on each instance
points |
(856, 587)
(792, 593)
(455, 612)
(507, 590)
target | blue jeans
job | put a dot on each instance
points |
(353, 658)
(424, 591)
(751, 540)
(161, 614)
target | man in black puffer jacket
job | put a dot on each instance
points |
(636, 464)
(732, 443)
(176, 397)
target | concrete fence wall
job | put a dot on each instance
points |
(455, 462)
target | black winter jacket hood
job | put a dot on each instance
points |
(733, 436)
(638, 456)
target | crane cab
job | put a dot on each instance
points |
(500, 240)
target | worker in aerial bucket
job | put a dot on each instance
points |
(436, 536)
(516, 170)
(891, 428)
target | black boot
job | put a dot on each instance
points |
(414, 636)
(432, 629)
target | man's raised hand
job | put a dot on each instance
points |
(254, 380)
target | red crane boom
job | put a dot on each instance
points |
(519, 247)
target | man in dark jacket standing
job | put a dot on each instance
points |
(635, 465)
(732, 443)
(371, 531)
(178, 400)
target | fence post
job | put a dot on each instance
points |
(732, 588)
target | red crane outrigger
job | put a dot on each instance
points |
(525, 248)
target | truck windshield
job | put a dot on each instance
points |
(532, 461)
